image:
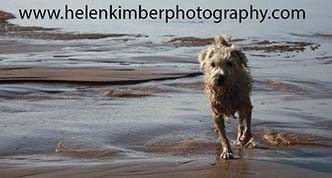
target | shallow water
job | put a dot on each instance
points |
(68, 122)
(317, 19)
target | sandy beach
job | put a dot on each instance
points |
(78, 104)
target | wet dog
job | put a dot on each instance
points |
(227, 84)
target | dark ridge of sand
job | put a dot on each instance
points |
(254, 45)
(259, 55)
(280, 46)
(324, 57)
(314, 35)
(190, 41)
(85, 75)
(4, 16)
(288, 46)
(193, 41)
(133, 91)
(122, 93)
(12, 30)
(65, 36)
(5, 26)
(287, 138)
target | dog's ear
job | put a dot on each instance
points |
(220, 41)
(243, 59)
(202, 59)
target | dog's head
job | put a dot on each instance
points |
(222, 63)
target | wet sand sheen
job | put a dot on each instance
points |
(162, 168)
(87, 75)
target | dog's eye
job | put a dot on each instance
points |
(213, 64)
(229, 64)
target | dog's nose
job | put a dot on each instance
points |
(221, 80)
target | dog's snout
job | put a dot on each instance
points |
(221, 79)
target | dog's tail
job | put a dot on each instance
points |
(221, 41)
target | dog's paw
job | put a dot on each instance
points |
(251, 143)
(238, 143)
(226, 155)
(245, 138)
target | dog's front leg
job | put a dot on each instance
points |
(246, 133)
(240, 130)
(220, 125)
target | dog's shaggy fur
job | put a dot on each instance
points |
(228, 85)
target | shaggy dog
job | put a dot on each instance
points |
(227, 84)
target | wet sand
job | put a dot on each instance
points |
(165, 168)
(16, 74)
(125, 105)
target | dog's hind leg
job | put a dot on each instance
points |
(220, 125)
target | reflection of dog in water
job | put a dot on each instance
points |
(228, 85)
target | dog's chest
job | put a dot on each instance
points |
(227, 104)
(227, 109)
